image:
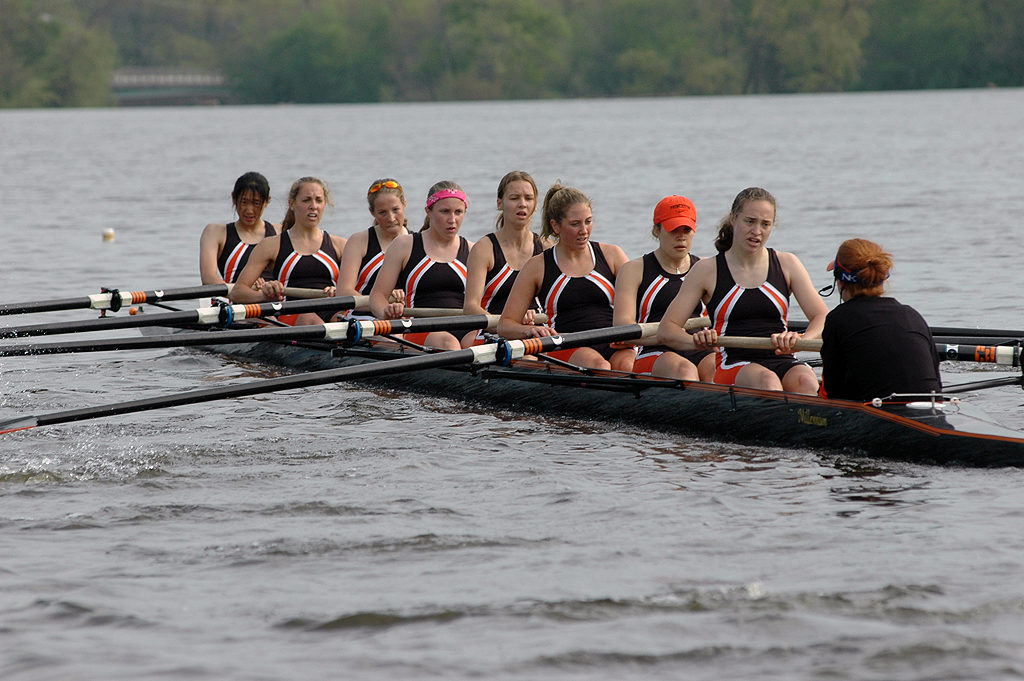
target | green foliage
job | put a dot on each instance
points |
(51, 60)
(945, 43)
(62, 52)
(501, 49)
(317, 59)
(805, 45)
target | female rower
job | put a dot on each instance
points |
(364, 252)
(302, 256)
(746, 289)
(646, 286)
(574, 280)
(427, 268)
(224, 249)
(873, 346)
(495, 261)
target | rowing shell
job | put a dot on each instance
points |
(924, 429)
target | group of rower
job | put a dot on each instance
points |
(583, 284)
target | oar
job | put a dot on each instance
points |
(993, 354)
(339, 331)
(489, 353)
(359, 329)
(763, 343)
(978, 340)
(329, 331)
(965, 331)
(222, 314)
(541, 318)
(113, 299)
(297, 293)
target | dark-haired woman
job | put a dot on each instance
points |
(746, 289)
(873, 346)
(427, 268)
(302, 256)
(574, 280)
(224, 249)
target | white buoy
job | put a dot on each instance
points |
(108, 234)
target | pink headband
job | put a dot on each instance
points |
(447, 194)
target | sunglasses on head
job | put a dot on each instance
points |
(377, 186)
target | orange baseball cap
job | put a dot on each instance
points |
(673, 212)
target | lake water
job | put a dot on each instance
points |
(345, 532)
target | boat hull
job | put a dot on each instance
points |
(926, 433)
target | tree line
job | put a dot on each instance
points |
(62, 52)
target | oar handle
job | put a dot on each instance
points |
(541, 318)
(303, 293)
(696, 324)
(761, 343)
(295, 292)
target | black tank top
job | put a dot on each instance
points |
(318, 270)
(759, 311)
(429, 283)
(499, 279)
(370, 264)
(658, 289)
(578, 303)
(235, 254)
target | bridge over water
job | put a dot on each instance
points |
(154, 86)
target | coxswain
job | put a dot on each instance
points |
(872, 345)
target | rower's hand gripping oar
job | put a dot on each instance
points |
(503, 352)
(222, 315)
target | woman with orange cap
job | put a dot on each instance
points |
(872, 345)
(646, 286)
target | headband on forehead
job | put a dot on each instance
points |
(447, 194)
